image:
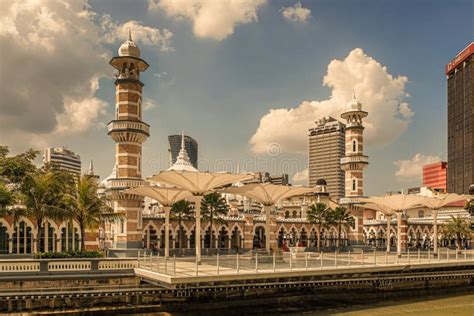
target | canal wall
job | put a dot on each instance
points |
(114, 290)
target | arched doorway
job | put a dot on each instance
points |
(236, 239)
(259, 238)
(192, 239)
(304, 237)
(281, 237)
(223, 238)
(208, 241)
(22, 238)
(3, 239)
(162, 239)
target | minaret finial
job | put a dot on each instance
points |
(91, 168)
(129, 34)
(354, 94)
(182, 139)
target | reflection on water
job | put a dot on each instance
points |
(439, 305)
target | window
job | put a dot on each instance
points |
(421, 214)
(354, 146)
(354, 185)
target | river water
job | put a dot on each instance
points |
(436, 305)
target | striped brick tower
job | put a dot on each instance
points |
(354, 164)
(129, 132)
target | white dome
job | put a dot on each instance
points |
(354, 104)
(129, 49)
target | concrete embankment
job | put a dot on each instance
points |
(113, 293)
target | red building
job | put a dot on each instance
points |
(435, 175)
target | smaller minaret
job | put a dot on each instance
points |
(354, 161)
(182, 161)
(90, 172)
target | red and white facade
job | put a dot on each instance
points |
(435, 176)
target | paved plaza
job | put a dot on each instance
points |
(251, 264)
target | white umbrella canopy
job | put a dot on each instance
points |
(167, 197)
(267, 193)
(379, 208)
(394, 203)
(439, 201)
(198, 183)
(391, 204)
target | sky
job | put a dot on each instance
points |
(245, 78)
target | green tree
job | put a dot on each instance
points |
(180, 211)
(13, 170)
(86, 207)
(457, 228)
(42, 195)
(318, 214)
(213, 207)
(341, 217)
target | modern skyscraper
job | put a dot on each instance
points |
(129, 132)
(460, 77)
(326, 148)
(63, 158)
(434, 175)
(174, 146)
(355, 161)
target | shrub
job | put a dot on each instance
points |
(70, 254)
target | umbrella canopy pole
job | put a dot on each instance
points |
(435, 231)
(167, 230)
(387, 235)
(399, 233)
(197, 229)
(267, 209)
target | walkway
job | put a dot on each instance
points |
(240, 267)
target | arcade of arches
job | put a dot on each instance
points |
(22, 237)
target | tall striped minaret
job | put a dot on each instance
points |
(129, 132)
(354, 161)
(354, 164)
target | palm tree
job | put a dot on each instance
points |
(180, 211)
(86, 207)
(457, 228)
(212, 208)
(341, 217)
(42, 195)
(469, 206)
(318, 214)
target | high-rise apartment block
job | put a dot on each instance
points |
(190, 144)
(326, 148)
(63, 159)
(434, 176)
(460, 78)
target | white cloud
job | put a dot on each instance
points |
(296, 13)
(412, 169)
(211, 19)
(374, 86)
(149, 104)
(52, 60)
(301, 177)
(115, 32)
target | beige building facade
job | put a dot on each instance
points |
(326, 149)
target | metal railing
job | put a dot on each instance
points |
(20, 266)
(286, 262)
